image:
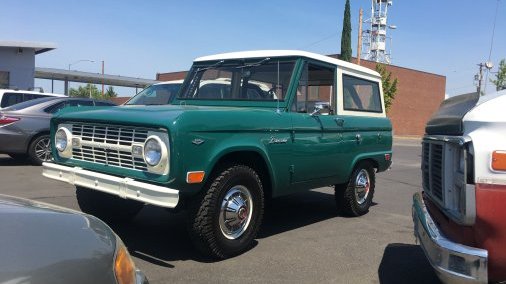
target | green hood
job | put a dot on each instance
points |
(125, 115)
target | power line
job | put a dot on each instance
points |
(491, 44)
(320, 40)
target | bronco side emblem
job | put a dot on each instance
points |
(197, 141)
(278, 140)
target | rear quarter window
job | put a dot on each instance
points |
(9, 99)
(361, 95)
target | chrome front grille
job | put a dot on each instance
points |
(432, 168)
(118, 135)
(109, 145)
(445, 176)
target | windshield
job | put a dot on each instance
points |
(29, 103)
(160, 94)
(255, 80)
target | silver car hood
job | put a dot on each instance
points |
(43, 243)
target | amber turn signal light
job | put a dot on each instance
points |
(499, 160)
(124, 267)
(195, 177)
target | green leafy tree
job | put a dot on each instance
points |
(346, 34)
(500, 77)
(88, 91)
(110, 93)
(389, 85)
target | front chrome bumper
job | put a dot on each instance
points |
(453, 262)
(123, 187)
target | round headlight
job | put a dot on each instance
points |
(61, 140)
(152, 152)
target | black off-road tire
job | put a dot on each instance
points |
(106, 206)
(33, 148)
(348, 203)
(204, 213)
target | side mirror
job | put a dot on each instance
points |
(319, 106)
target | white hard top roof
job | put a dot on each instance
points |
(286, 53)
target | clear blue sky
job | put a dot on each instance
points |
(141, 38)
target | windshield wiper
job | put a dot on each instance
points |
(255, 64)
(211, 66)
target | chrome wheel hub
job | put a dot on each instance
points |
(43, 150)
(362, 186)
(235, 212)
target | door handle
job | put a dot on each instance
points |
(339, 121)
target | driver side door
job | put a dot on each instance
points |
(316, 134)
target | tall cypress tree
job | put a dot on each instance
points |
(346, 34)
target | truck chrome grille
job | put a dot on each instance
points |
(109, 134)
(109, 145)
(432, 168)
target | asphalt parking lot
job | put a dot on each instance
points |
(303, 239)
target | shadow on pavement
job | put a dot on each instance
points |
(405, 263)
(296, 211)
(8, 161)
(160, 237)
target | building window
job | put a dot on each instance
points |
(4, 80)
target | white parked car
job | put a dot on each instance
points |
(12, 97)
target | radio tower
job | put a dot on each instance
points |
(375, 35)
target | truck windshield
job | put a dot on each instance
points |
(259, 79)
(159, 94)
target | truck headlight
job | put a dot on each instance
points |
(153, 151)
(60, 140)
(63, 140)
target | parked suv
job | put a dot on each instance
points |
(12, 97)
(281, 126)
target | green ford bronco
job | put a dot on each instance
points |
(243, 128)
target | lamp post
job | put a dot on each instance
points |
(81, 60)
(73, 63)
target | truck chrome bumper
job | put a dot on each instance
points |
(453, 262)
(123, 187)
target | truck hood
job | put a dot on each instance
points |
(157, 115)
(456, 113)
(448, 118)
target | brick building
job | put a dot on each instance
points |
(419, 95)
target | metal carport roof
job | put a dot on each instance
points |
(94, 78)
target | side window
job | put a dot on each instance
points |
(316, 89)
(78, 103)
(9, 99)
(361, 95)
(4, 80)
(55, 108)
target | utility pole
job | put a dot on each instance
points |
(359, 47)
(102, 79)
(479, 76)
